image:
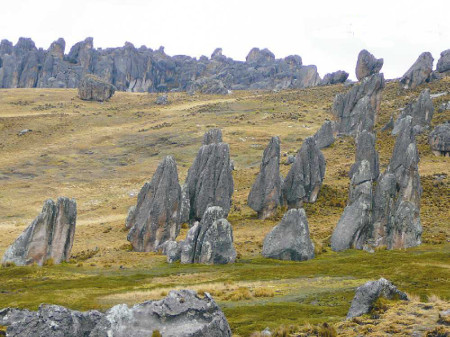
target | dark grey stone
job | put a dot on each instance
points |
(336, 77)
(265, 194)
(324, 137)
(420, 72)
(50, 235)
(367, 65)
(443, 64)
(290, 240)
(162, 100)
(439, 139)
(92, 88)
(367, 294)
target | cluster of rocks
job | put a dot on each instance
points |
(181, 314)
(143, 69)
(355, 110)
(337, 77)
(49, 237)
(387, 214)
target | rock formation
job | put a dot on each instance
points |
(355, 225)
(50, 235)
(443, 64)
(439, 140)
(162, 100)
(181, 314)
(303, 182)
(212, 136)
(209, 181)
(324, 137)
(420, 72)
(92, 88)
(290, 240)
(209, 241)
(156, 217)
(356, 110)
(367, 65)
(367, 294)
(421, 112)
(146, 70)
(265, 195)
(337, 77)
(397, 196)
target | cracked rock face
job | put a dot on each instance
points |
(50, 235)
(156, 217)
(210, 241)
(265, 194)
(324, 137)
(181, 314)
(356, 110)
(290, 239)
(92, 88)
(420, 72)
(421, 111)
(439, 140)
(367, 65)
(367, 294)
(304, 180)
(209, 181)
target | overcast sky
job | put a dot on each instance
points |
(328, 34)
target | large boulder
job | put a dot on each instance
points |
(181, 314)
(304, 179)
(443, 64)
(260, 56)
(324, 137)
(209, 181)
(265, 194)
(420, 72)
(156, 217)
(367, 294)
(93, 88)
(355, 225)
(208, 85)
(210, 241)
(50, 235)
(367, 65)
(397, 196)
(439, 140)
(336, 77)
(356, 110)
(420, 110)
(290, 240)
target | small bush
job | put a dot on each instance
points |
(156, 333)
(327, 330)
(264, 292)
(48, 263)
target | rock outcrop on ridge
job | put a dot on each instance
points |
(336, 77)
(181, 314)
(443, 64)
(50, 235)
(265, 194)
(420, 72)
(290, 239)
(439, 140)
(304, 179)
(367, 65)
(156, 218)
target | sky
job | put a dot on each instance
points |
(329, 34)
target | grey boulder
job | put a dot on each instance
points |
(439, 140)
(367, 65)
(324, 137)
(93, 88)
(367, 294)
(50, 235)
(265, 194)
(420, 72)
(156, 217)
(290, 239)
(336, 77)
(162, 100)
(443, 64)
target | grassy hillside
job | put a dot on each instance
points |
(102, 153)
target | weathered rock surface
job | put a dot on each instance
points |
(210, 241)
(50, 235)
(265, 194)
(156, 217)
(367, 65)
(303, 182)
(420, 72)
(324, 137)
(209, 181)
(208, 85)
(397, 195)
(162, 100)
(339, 76)
(212, 136)
(290, 240)
(420, 110)
(356, 110)
(443, 64)
(367, 294)
(355, 225)
(92, 88)
(181, 314)
(439, 140)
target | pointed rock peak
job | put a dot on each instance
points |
(260, 56)
(217, 54)
(367, 65)
(420, 71)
